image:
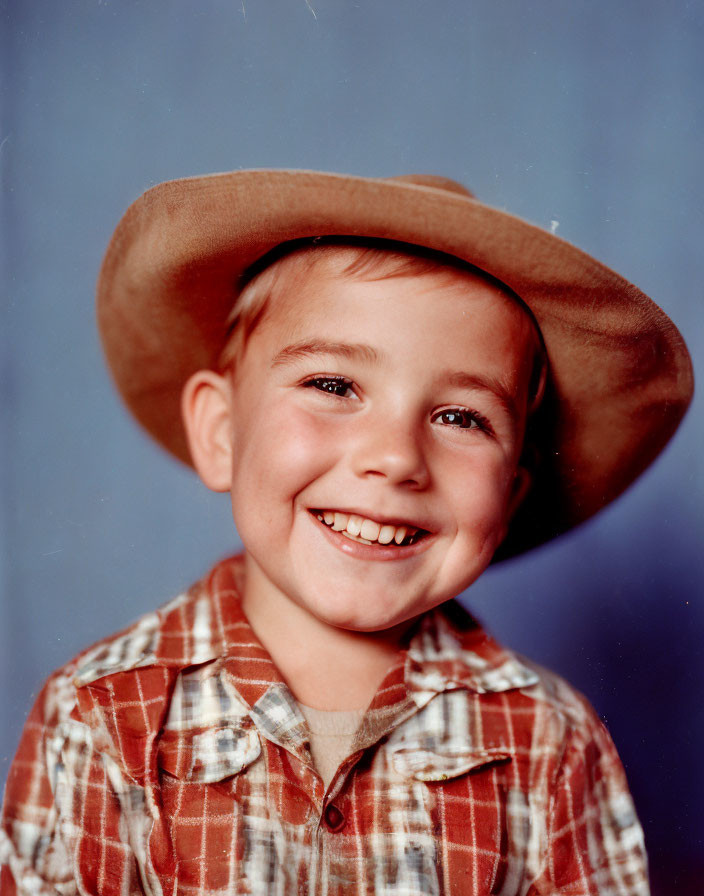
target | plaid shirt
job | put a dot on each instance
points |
(172, 759)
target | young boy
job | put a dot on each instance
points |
(393, 382)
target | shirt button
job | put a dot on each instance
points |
(333, 818)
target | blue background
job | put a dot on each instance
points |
(585, 113)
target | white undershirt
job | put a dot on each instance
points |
(331, 736)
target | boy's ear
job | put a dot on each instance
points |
(205, 408)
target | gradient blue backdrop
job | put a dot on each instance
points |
(584, 113)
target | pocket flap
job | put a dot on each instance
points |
(427, 765)
(210, 755)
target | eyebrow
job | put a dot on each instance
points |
(462, 380)
(351, 350)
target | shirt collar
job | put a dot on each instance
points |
(450, 650)
(204, 639)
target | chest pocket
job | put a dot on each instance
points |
(204, 757)
(442, 741)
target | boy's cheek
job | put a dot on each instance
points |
(483, 510)
(283, 449)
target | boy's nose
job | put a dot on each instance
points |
(388, 448)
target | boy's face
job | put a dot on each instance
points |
(401, 401)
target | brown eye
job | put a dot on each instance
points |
(333, 385)
(462, 419)
(457, 418)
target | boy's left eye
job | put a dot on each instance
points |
(461, 419)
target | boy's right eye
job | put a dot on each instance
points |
(334, 385)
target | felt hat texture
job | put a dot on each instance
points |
(620, 376)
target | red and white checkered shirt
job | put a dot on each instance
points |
(173, 759)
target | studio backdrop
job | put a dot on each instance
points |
(585, 118)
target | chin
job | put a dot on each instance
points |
(373, 617)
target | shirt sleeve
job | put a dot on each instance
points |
(595, 841)
(32, 857)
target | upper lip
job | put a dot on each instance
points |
(382, 518)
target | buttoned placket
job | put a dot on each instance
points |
(335, 808)
(279, 720)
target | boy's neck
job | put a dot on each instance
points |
(325, 667)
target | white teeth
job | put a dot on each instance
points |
(370, 530)
(340, 521)
(355, 537)
(386, 534)
(354, 525)
(358, 528)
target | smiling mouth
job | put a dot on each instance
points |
(366, 531)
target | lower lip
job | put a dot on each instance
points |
(375, 551)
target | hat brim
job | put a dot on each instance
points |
(620, 374)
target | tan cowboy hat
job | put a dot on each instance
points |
(620, 374)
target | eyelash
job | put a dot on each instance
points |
(468, 419)
(320, 383)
